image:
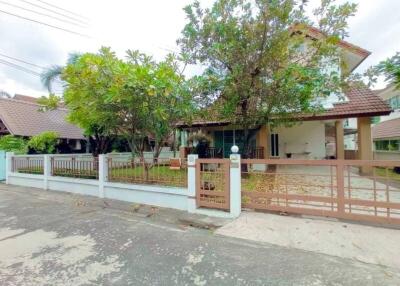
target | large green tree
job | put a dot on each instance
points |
(87, 80)
(261, 61)
(137, 98)
(154, 96)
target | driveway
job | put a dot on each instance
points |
(51, 238)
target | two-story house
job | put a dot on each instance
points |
(316, 136)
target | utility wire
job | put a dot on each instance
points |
(53, 11)
(18, 67)
(62, 9)
(43, 14)
(22, 61)
(22, 67)
(45, 24)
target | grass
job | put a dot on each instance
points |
(161, 175)
(31, 170)
(381, 172)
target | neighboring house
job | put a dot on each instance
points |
(316, 136)
(20, 116)
(386, 132)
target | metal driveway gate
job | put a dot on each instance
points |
(347, 189)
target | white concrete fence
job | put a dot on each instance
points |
(156, 195)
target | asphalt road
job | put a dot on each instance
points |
(49, 238)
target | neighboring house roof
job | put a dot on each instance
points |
(386, 129)
(25, 98)
(362, 102)
(23, 118)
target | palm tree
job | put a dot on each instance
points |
(53, 74)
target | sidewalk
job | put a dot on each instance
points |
(368, 244)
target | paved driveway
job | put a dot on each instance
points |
(49, 238)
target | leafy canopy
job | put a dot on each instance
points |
(260, 61)
(390, 68)
(136, 98)
(154, 96)
(44, 143)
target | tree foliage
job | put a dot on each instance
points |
(11, 143)
(390, 69)
(137, 98)
(261, 62)
(44, 143)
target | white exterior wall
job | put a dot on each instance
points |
(386, 155)
(308, 136)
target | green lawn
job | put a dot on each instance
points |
(162, 175)
(381, 172)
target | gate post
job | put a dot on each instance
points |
(191, 164)
(103, 173)
(340, 186)
(9, 156)
(46, 171)
(235, 185)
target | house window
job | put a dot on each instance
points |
(274, 145)
(387, 145)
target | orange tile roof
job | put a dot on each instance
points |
(362, 103)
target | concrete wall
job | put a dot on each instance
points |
(167, 197)
(161, 196)
(308, 136)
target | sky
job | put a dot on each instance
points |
(151, 26)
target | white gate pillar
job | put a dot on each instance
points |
(103, 173)
(191, 164)
(46, 171)
(8, 165)
(235, 186)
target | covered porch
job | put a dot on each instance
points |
(309, 139)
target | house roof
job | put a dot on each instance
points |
(23, 118)
(25, 98)
(362, 102)
(386, 129)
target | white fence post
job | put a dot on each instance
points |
(8, 165)
(103, 173)
(235, 185)
(46, 171)
(191, 163)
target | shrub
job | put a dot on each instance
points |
(44, 143)
(11, 143)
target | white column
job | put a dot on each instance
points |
(46, 171)
(191, 162)
(8, 165)
(103, 174)
(235, 186)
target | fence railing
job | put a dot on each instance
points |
(351, 189)
(27, 164)
(75, 166)
(161, 171)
